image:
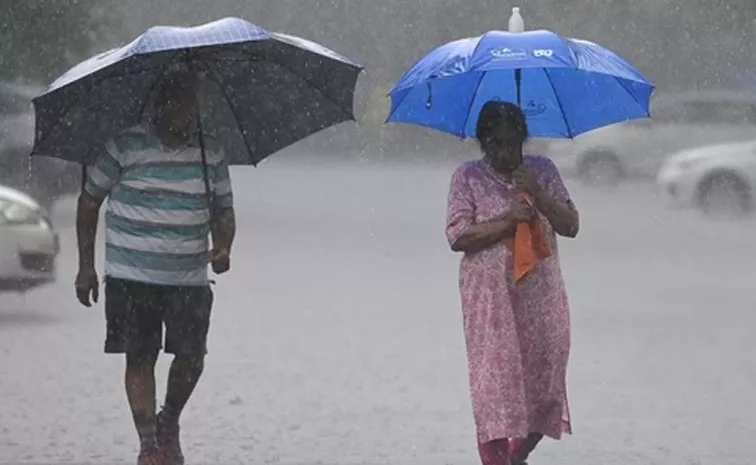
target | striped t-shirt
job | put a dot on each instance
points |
(158, 219)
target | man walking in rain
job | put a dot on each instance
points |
(163, 202)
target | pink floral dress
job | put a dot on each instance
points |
(518, 337)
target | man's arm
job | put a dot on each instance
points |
(101, 178)
(224, 229)
(87, 216)
(223, 224)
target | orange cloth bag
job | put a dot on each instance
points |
(529, 245)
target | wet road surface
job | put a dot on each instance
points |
(337, 338)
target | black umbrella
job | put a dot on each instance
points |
(261, 91)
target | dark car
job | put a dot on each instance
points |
(43, 178)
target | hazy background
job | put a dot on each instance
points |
(337, 335)
(679, 44)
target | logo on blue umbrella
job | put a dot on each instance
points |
(543, 53)
(532, 109)
(507, 53)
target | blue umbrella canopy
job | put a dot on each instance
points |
(260, 91)
(564, 86)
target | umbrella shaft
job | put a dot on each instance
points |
(518, 86)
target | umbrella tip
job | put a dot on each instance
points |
(516, 21)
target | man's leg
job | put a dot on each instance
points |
(187, 323)
(140, 390)
(183, 377)
(134, 328)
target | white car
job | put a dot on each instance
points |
(29, 244)
(717, 179)
(637, 149)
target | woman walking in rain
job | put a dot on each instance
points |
(517, 333)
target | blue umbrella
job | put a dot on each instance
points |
(564, 86)
(261, 91)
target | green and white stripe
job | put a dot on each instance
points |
(158, 218)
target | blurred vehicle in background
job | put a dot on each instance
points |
(638, 148)
(29, 244)
(45, 179)
(717, 179)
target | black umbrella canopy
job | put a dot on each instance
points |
(260, 91)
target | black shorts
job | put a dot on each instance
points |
(135, 313)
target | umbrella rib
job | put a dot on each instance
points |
(472, 101)
(89, 89)
(573, 55)
(475, 49)
(214, 77)
(310, 84)
(318, 90)
(635, 99)
(287, 68)
(398, 104)
(477, 86)
(306, 81)
(559, 103)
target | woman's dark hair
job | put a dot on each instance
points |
(497, 116)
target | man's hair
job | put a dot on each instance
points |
(174, 86)
(496, 115)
